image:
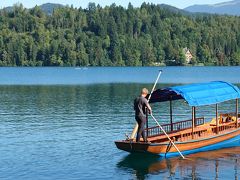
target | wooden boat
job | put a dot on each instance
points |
(194, 135)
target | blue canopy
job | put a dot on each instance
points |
(198, 94)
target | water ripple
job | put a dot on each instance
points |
(68, 132)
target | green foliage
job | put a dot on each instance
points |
(115, 36)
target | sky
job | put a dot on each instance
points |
(84, 3)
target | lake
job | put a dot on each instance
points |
(93, 75)
(61, 123)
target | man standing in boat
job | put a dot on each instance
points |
(140, 106)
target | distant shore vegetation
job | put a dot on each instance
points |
(150, 35)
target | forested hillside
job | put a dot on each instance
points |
(116, 36)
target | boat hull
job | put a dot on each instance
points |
(230, 139)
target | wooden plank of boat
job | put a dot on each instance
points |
(228, 139)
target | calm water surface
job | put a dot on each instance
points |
(67, 132)
(92, 75)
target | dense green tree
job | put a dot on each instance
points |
(116, 36)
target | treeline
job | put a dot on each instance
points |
(116, 36)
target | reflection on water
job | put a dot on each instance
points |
(220, 164)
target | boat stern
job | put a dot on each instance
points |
(131, 146)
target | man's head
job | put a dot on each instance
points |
(144, 92)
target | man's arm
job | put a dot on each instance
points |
(148, 106)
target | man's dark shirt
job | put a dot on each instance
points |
(139, 106)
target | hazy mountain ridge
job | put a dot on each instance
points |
(173, 9)
(229, 8)
(47, 7)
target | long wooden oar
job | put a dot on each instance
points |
(159, 74)
(136, 126)
(168, 137)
